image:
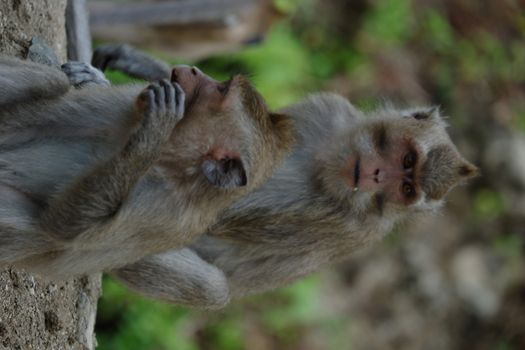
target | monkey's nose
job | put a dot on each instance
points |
(378, 175)
(174, 75)
(381, 176)
(195, 71)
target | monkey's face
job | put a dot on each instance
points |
(399, 161)
(227, 134)
(203, 93)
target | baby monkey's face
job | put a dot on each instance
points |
(228, 132)
(202, 91)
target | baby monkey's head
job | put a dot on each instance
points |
(228, 137)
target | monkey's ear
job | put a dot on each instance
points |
(278, 118)
(467, 170)
(224, 172)
(282, 126)
(426, 113)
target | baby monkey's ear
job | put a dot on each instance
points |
(225, 172)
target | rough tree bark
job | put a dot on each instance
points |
(35, 314)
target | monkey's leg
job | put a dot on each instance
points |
(129, 60)
(18, 237)
(22, 81)
(95, 198)
(180, 277)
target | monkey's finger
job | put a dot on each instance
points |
(146, 100)
(160, 98)
(166, 85)
(73, 68)
(170, 95)
(151, 87)
(180, 99)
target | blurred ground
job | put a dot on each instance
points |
(454, 281)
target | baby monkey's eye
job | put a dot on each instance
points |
(408, 190)
(409, 160)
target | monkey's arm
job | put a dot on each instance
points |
(256, 274)
(213, 270)
(253, 268)
(129, 60)
(179, 277)
(97, 196)
(22, 81)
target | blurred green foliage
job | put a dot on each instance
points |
(389, 23)
(286, 6)
(118, 78)
(510, 246)
(280, 84)
(128, 321)
(295, 59)
(488, 204)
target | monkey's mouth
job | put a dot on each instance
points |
(357, 172)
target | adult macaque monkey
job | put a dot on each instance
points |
(96, 178)
(350, 178)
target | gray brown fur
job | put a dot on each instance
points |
(90, 179)
(304, 217)
(301, 219)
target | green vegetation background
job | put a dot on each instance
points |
(293, 60)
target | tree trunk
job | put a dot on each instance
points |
(35, 314)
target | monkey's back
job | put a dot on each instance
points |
(45, 144)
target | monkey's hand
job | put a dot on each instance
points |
(93, 200)
(160, 107)
(128, 60)
(81, 74)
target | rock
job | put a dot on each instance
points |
(35, 314)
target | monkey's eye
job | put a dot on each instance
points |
(409, 160)
(408, 190)
(420, 115)
(224, 87)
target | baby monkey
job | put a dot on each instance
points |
(99, 177)
(349, 180)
